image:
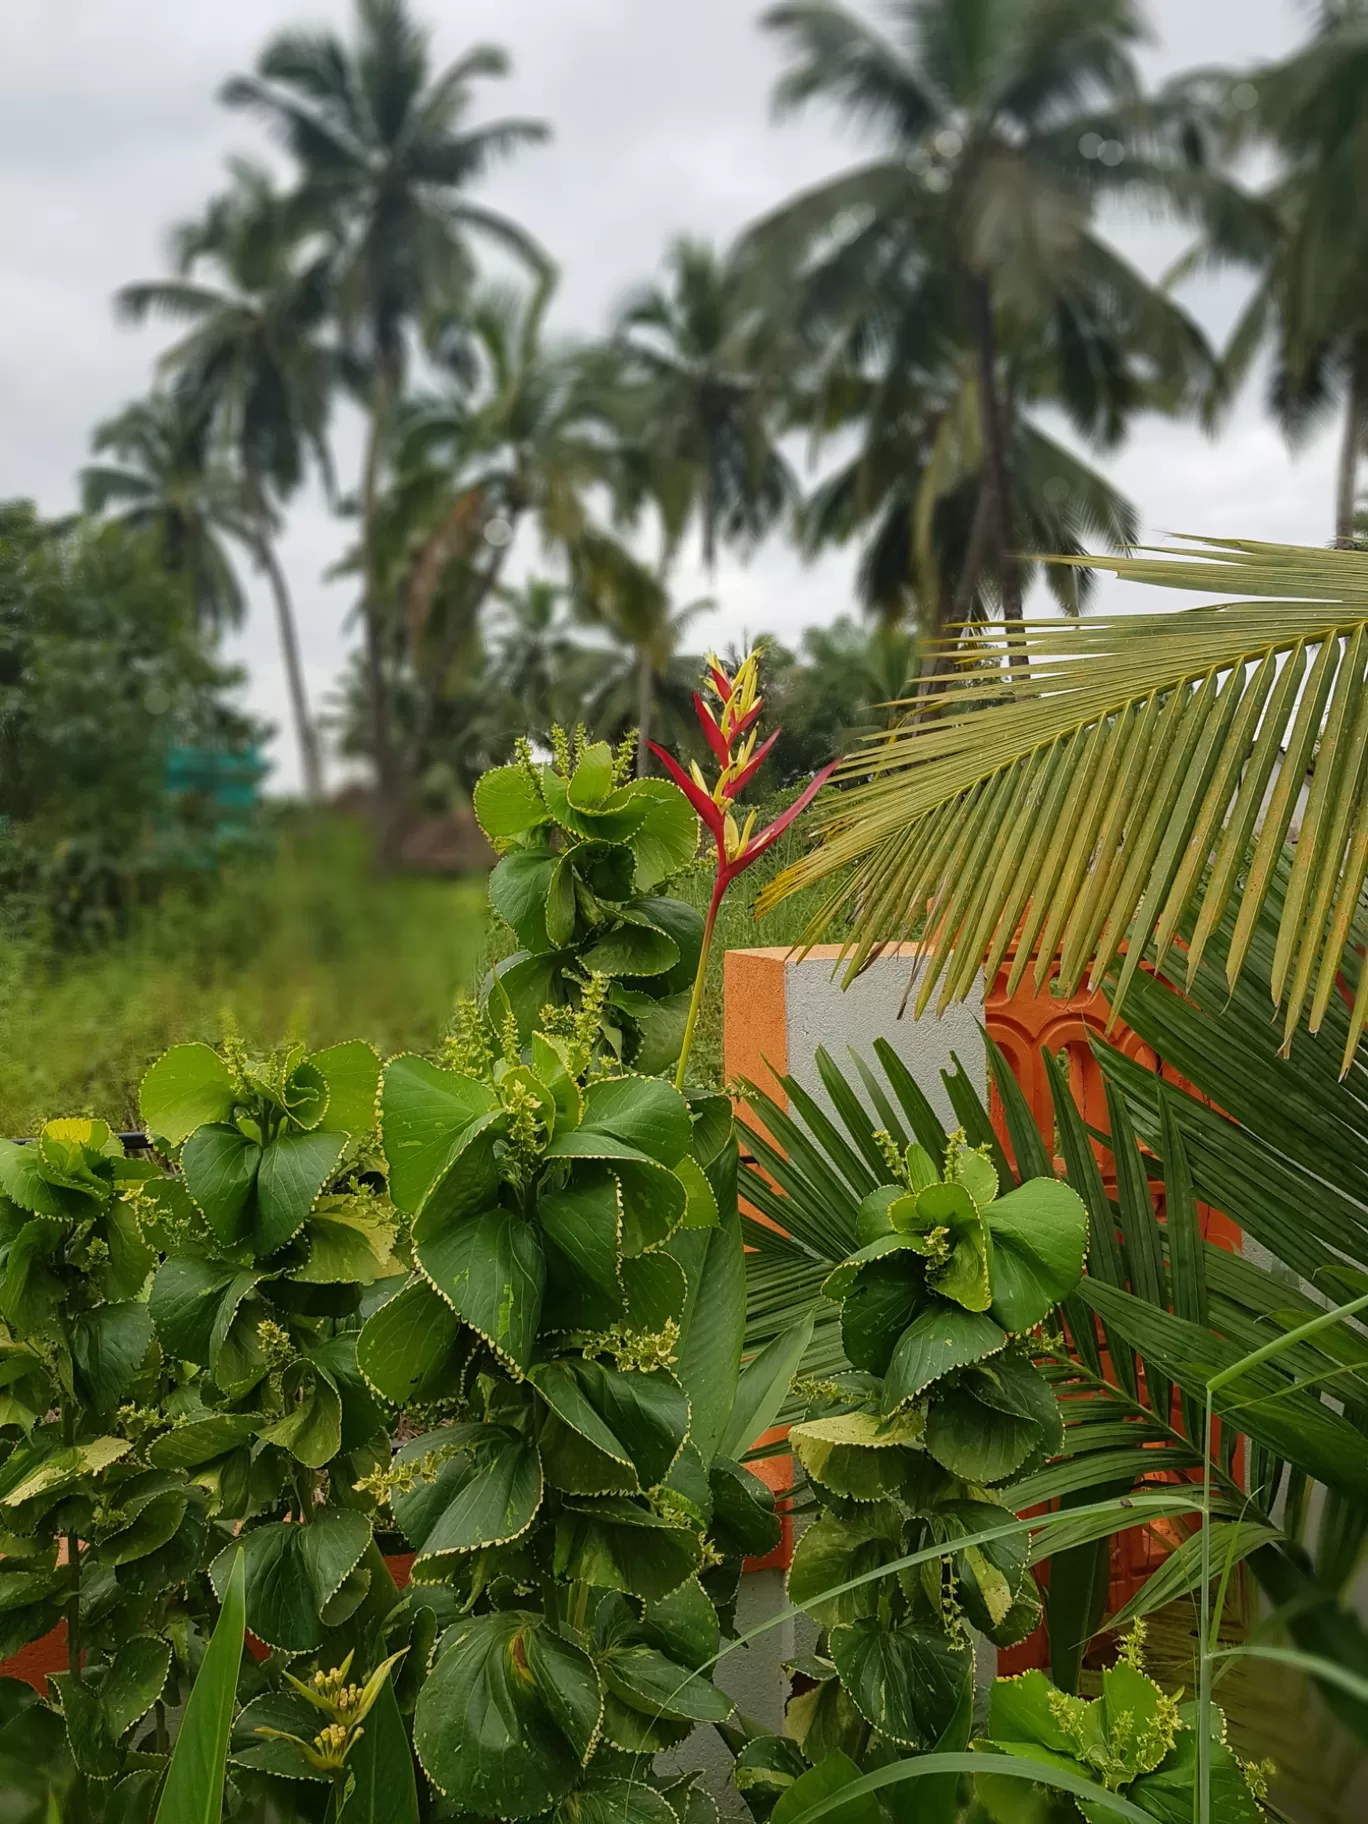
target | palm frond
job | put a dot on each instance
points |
(838, 57)
(1127, 757)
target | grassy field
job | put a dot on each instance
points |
(307, 944)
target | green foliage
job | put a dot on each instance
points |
(934, 1408)
(524, 1257)
(583, 849)
(305, 938)
(1134, 1739)
(194, 1779)
(101, 671)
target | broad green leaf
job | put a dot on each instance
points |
(614, 819)
(631, 949)
(888, 1294)
(345, 1248)
(1040, 1236)
(684, 1625)
(491, 1270)
(582, 1228)
(616, 1544)
(654, 1202)
(202, 1440)
(286, 1713)
(551, 1066)
(712, 1323)
(700, 1211)
(762, 1389)
(220, 1166)
(713, 1125)
(293, 1170)
(666, 839)
(428, 1117)
(363, 1414)
(744, 1523)
(947, 1211)
(650, 1681)
(976, 1441)
(151, 1507)
(508, 803)
(188, 1087)
(643, 1113)
(311, 1429)
(292, 1573)
(193, 1793)
(352, 1073)
(624, 1801)
(134, 1682)
(592, 780)
(476, 1486)
(108, 1346)
(407, 1343)
(940, 1339)
(1168, 1793)
(832, 1552)
(906, 1681)
(822, 1783)
(305, 1095)
(517, 892)
(609, 1431)
(507, 1717)
(858, 1455)
(187, 1304)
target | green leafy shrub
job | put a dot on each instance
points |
(914, 1443)
(1134, 1739)
(519, 1256)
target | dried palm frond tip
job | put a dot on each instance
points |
(1083, 783)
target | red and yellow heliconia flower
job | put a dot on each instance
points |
(732, 735)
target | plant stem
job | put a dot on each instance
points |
(73, 1546)
(700, 977)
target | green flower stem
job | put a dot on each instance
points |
(700, 976)
(73, 1544)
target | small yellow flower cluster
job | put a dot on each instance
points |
(346, 1705)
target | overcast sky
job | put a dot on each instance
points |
(109, 131)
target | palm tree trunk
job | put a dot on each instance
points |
(306, 732)
(1356, 407)
(942, 660)
(645, 704)
(996, 467)
(386, 801)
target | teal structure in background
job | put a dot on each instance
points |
(226, 788)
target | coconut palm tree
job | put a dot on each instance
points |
(693, 408)
(614, 590)
(385, 155)
(514, 439)
(254, 361)
(165, 480)
(536, 657)
(1000, 122)
(1303, 236)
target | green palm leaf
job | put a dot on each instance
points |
(1083, 778)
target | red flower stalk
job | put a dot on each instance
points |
(731, 736)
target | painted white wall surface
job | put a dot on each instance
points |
(820, 1012)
